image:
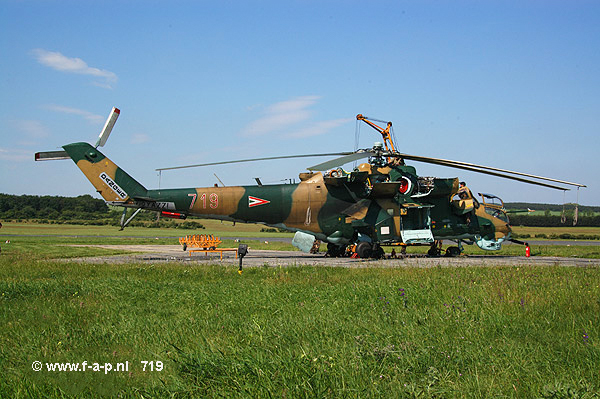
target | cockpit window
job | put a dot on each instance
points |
(492, 200)
(497, 213)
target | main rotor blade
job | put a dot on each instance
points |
(474, 169)
(334, 163)
(256, 159)
(477, 168)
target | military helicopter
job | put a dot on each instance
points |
(381, 202)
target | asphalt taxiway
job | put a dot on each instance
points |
(258, 258)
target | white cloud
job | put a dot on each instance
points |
(92, 118)
(281, 115)
(14, 155)
(319, 128)
(62, 63)
(31, 128)
(294, 115)
(139, 138)
(293, 105)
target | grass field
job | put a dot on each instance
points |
(299, 332)
(225, 229)
(211, 227)
(48, 241)
(573, 230)
(206, 331)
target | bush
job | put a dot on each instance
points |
(190, 225)
(515, 235)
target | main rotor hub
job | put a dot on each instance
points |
(377, 159)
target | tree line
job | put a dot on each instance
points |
(545, 215)
(570, 207)
(85, 208)
(553, 221)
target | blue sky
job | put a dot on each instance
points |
(508, 84)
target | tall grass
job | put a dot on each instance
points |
(300, 332)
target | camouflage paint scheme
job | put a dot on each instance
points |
(340, 208)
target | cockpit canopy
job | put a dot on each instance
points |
(490, 199)
(494, 206)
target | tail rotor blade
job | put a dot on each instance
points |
(108, 126)
(51, 155)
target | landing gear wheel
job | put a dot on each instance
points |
(378, 253)
(335, 251)
(453, 251)
(364, 249)
(434, 251)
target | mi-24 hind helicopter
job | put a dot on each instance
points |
(381, 202)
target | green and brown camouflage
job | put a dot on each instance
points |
(379, 205)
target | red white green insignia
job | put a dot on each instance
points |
(254, 201)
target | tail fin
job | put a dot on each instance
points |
(112, 182)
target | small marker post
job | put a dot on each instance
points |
(242, 251)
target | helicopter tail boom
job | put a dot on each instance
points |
(112, 182)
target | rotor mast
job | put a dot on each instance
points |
(387, 138)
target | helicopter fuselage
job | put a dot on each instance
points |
(343, 208)
(380, 205)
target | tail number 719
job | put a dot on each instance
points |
(212, 199)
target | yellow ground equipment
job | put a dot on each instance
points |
(204, 243)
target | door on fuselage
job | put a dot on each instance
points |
(415, 225)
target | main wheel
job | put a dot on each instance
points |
(364, 249)
(378, 253)
(335, 251)
(433, 251)
(453, 251)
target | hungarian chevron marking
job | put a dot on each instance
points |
(254, 201)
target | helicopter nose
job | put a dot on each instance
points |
(507, 230)
(503, 231)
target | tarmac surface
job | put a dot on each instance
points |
(259, 258)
